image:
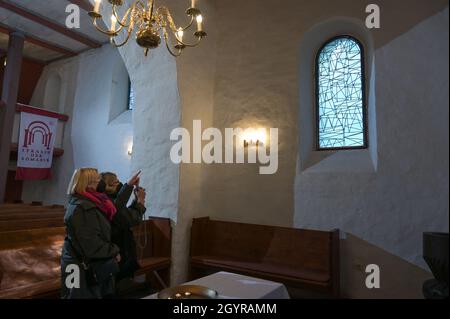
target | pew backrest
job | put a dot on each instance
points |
(267, 247)
(20, 224)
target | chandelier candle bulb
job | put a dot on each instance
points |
(193, 3)
(97, 6)
(199, 23)
(113, 23)
(180, 34)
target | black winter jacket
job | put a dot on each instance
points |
(122, 235)
(88, 236)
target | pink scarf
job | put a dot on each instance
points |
(102, 202)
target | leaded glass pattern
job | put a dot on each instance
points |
(130, 97)
(340, 95)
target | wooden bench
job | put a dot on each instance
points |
(41, 215)
(300, 258)
(20, 202)
(6, 206)
(154, 253)
(30, 258)
(19, 208)
(30, 263)
(20, 212)
(20, 224)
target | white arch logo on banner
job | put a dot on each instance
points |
(35, 147)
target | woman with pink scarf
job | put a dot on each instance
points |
(89, 260)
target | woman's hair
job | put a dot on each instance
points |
(109, 178)
(80, 180)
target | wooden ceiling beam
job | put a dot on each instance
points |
(83, 4)
(44, 44)
(4, 53)
(77, 36)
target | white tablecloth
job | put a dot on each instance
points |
(234, 286)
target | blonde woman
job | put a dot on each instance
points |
(88, 240)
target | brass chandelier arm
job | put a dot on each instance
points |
(166, 14)
(151, 4)
(189, 25)
(122, 21)
(130, 31)
(166, 38)
(172, 22)
(190, 45)
(113, 41)
(171, 52)
(108, 33)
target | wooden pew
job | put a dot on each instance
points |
(16, 205)
(20, 202)
(299, 258)
(29, 209)
(154, 253)
(9, 205)
(28, 212)
(155, 256)
(40, 215)
(25, 205)
(30, 258)
(30, 263)
(20, 224)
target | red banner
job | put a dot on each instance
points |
(36, 143)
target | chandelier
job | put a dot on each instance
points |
(149, 23)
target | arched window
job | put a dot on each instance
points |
(340, 95)
(122, 96)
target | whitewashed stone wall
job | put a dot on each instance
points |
(90, 138)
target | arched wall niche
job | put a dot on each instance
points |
(308, 157)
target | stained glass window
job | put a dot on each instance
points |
(340, 95)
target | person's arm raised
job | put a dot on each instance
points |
(134, 180)
(125, 192)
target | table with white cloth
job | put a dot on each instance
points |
(234, 286)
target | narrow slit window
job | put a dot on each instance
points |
(340, 95)
(130, 96)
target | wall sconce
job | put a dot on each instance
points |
(130, 149)
(254, 137)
